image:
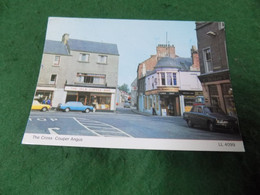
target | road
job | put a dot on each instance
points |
(122, 123)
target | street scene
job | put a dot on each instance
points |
(125, 122)
(152, 84)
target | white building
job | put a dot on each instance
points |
(171, 87)
(79, 70)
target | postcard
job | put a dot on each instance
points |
(134, 84)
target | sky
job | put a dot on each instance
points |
(136, 39)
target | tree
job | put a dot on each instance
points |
(124, 87)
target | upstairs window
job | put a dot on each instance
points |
(102, 59)
(84, 57)
(98, 79)
(56, 61)
(163, 78)
(53, 79)
(207, 60)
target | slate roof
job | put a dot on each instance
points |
(179, 63)
(57, 47)
(93, 47)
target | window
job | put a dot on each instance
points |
(221, 25)
(84, 57)
(174, 79)
(169, 78)
(53, 79)
(207, 60)
(163, 78)
(102, 59)
(56, 61)
(97, 79)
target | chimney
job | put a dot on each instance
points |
(195, 59)
(65, 38)
(165, 50)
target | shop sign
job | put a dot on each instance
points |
(88, 89)
(169, 93)
(187, 93)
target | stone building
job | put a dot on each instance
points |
(79, 70)
(214, 67)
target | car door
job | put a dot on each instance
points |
(192, 115)
(77, 106)
(199, 116)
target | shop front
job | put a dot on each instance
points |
(44, 95)
(100, 98)
(188, 99)
(170, 103)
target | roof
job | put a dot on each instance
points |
(179, 63)
(58, 47)
(93, 47)
(55, 47)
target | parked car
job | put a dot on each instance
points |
(210, 117)
(75, 106)
(38, 106)
(127, 104)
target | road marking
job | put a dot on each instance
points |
(51, 130)
(85, 126)
(102, 125)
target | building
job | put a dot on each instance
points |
(170, 86)
(79, 70)
(134, 93)
(214, 67)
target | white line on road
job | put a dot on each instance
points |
(98, 123)
(86, 127)
(51, 130)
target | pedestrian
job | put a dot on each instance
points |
(43, 102)
(154, 112)
(49, 101)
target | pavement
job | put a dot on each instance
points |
(141, 113)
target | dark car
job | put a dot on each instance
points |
(210, 117)
(127, 104)
(75, 106)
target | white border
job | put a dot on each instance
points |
(133, 143)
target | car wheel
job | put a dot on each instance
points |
(44, 109)
(87, 110)
(189, 123)
(67, 109)
(211, 126)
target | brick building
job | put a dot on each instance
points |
(214, 68)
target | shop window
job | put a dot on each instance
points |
(207, 60)
(91, 78)
(101, 102)
(84, 57)
(43, 96)
(53, 79)
(102, 59)
(228, 99)
(56, 61)
(145, 102)
(214, 96)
